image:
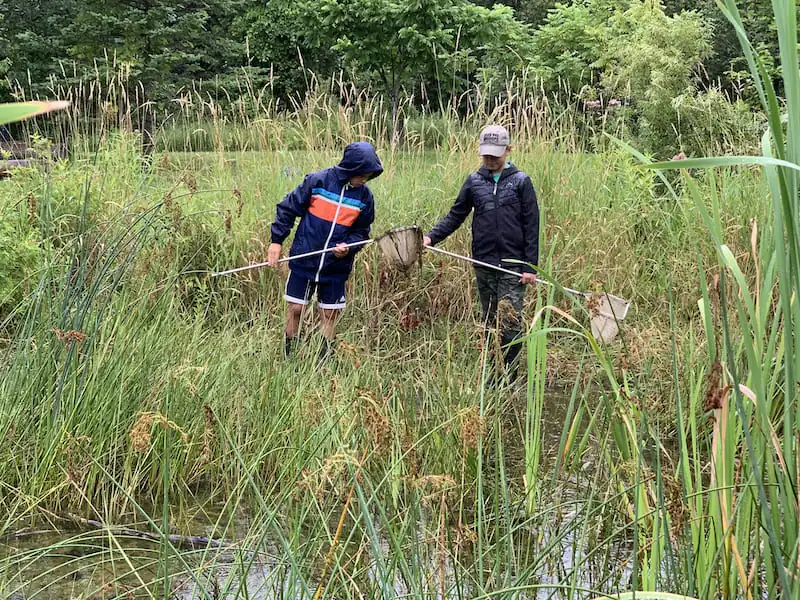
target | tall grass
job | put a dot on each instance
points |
(135, 389)
(176, 399)
(210, 117)
(740, 521)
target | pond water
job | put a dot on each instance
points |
(76, 563)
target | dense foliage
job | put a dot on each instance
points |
(663, 62)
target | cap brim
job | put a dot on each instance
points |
(491, 150)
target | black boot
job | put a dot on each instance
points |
(287, 346)
(510, 364)
(325, 350)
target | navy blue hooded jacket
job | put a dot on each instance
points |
(331, 212)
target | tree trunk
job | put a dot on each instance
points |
(394, 118)
(397, 125)
(148, 133)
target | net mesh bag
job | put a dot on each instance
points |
(401, 246)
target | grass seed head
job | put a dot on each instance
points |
(472, 427)
(434, 488)
(191, 183)
(410, 321)
(237, 193)
(142, 431)
(507, 315)
(674, 500)
(33, 210)
(374, 421)
(593, 305)
(350, 351)
(411, 457)
(209, 438)
(70, 337)
(715, 392)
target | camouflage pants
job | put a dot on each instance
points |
(501, 297)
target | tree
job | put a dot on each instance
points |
(34, 41)
(5, 59)
(282, 45)
(651, 57)
(626, 49)
(532, 12)
(725, 62)
(165, 44)
(570, 45)
(400, 41)
(162, 41)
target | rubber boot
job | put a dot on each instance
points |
(288, 342)
(510, 365)
(325, 350)
(510, 354)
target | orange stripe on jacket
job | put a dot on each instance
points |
(325, 209)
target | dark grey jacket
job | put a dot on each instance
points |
(506, 219)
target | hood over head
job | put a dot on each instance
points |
(359, 158)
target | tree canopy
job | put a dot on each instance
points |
(679, 54)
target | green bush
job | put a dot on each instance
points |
(708, 123)
(613, 49)
(570, 45)
(20, 257)
(651, 58)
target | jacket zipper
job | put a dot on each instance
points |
(494, 198)
(330, 233)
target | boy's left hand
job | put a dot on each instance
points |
(340, 251)
(528, 279)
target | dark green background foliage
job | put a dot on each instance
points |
(657, 59)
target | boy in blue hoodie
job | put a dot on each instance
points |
(335, 208)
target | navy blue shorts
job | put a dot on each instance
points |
(299, 290)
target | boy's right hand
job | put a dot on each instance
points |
(273, 254)
(426, 240)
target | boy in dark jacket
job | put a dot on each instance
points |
(335, 208)
(505, 225)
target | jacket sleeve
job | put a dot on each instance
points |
(453, 220)
(359, 231)
(294, 205)
(530, 225)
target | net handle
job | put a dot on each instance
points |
(307, 254)
(473, 261)
(623, 304)
(622, 301)
(496, 268)
(324, 250)
(293, 257)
